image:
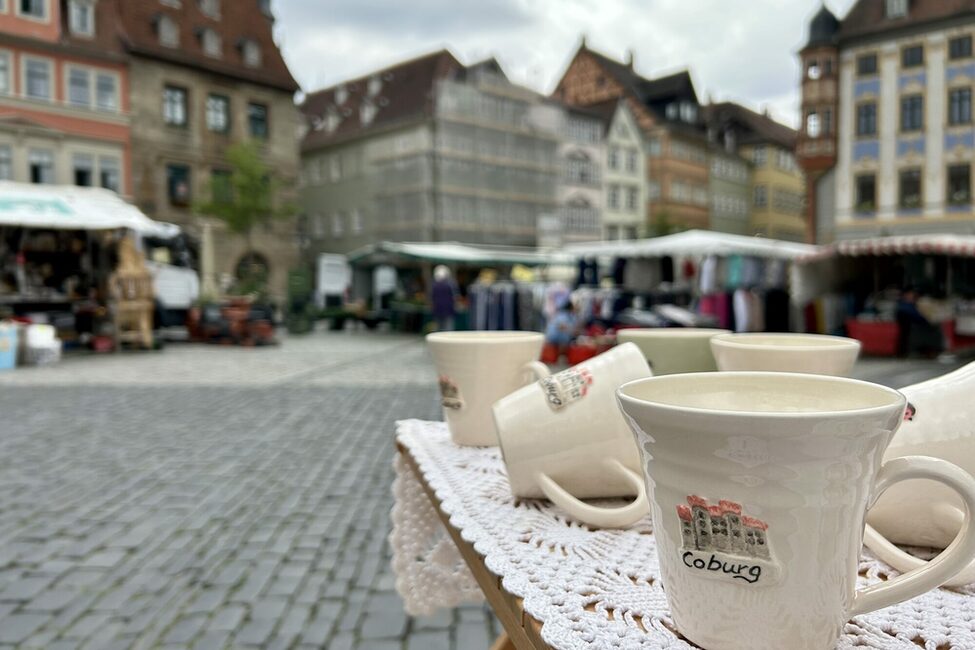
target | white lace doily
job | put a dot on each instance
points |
(589, 588)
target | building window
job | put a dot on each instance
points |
(210, 8)
(81, 17)
(896, 8)
(959, 184)
(212, 43)
(106, 92)
(338, 225)
(613, 200)
(79, 87)
(613, 159)
(168, 32)
(257, 120)
(33, 8)
(218, 113)
(912, 57)
(760, 196)
(960, 106)
(866, 193)
(910, 188)
(41, 165)
(653, 190)
(6, 163)
(912, 113)
(252, 53)
(654, 147)
(812, 70)
(38, 74)
(580, 169)
(82, 165)
(265, 6)
(335, 168)
(174, 106)
(759, 155)
(5, 85)
(178, 182)
(109, 172)
(631, 160)
(827, 121)
(866, 65)
(960, 48)
(631, 199)
(367, 111)
(355, 225)
(221, 189)
(867, 119)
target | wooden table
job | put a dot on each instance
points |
(522, 632)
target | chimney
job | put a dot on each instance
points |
(629, 58)
(583, 45)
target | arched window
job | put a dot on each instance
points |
(579, 168)
(813, 128)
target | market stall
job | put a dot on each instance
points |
(897, 295)
(59, 257)
(732, 281)
(498, 287)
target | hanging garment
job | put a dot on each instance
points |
(742, 306)
(756, 312)
(775, 274)
(619, 270)
(776, 310)
(666, 268)
(734, 272)
(688, 269)
(708, 279)
(751, 272)
(642, 274)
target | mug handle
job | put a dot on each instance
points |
(904, 562)
(617, 517)
(540, 370)
(951, 561)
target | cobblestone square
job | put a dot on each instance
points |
(207, 497)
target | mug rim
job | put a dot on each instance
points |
(622, 396)
(675, 332)
(483, 336)
(740, 340)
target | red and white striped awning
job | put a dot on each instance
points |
(954, 245)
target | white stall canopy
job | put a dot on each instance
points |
(74, 208)
(697, 243)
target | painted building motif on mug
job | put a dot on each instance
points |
(449, 394)
(566, 387)
(723, 543)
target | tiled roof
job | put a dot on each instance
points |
(239, 21)
(758, 127)
(402, 92)
(868, 17)
(674, 85)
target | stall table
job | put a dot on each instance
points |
(458, 536)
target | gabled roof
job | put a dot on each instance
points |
(240, 21)
(677, 85)
(756, 127)
(405, 93)
(869, 17)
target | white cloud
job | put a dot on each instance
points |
(743, 51)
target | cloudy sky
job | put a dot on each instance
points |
(741, 50)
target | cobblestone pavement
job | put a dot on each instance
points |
(208, 497)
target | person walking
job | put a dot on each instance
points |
(443, 296)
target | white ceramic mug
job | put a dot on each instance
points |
(815, 354)
(474, 370)
(939, 422)
(564, 439)
(760, 484)
(671, 350)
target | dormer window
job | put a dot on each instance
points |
(212, 44)
(332, 120)
(688, 111)
(168, 31)
(251, 53)
(896, 8)
(81, 18)
(672, 111)
(210, 8)
(265, 7)
(341, 94)
(367, 112)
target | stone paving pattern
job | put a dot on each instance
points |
(207, 497)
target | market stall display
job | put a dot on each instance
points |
(897, 295)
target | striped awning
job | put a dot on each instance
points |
(952, 245)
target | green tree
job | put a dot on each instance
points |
(245, 197)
